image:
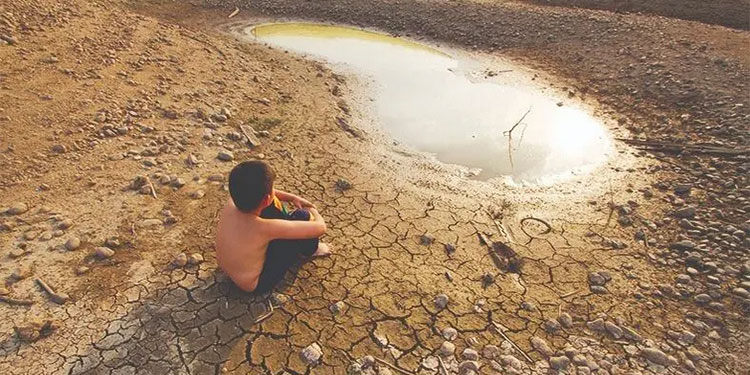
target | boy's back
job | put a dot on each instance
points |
(240, 246)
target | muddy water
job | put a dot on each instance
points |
(423, 98)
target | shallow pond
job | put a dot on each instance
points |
(422, 100)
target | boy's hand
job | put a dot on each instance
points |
(301, 202)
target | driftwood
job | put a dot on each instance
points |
(680, 147)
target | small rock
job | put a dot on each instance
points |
(541, 346)
(596, 325)
(613, 330)
(279, 299)
(195, 259)
(431, 363)
(103, 252)
(449, 333)
(657, 356)
(198, 194)
(354, 368)
(441, 301)
(23, 271)
(73, 243)
(225, 155)
(80, 270)
(17, 208)
(490, 351)
(566, 320)
(426, 239)
(551, 326)
(342, 184)
(684, 245)
(112, 242)
(34, 330)
(311, 354)
(559, 363)
(468, 367)
(447, 349)
(337, 307)
(685, 212)
(180, 260)
(470, 354)
(511, 361)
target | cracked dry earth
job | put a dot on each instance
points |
(117, 128)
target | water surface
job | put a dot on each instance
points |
(422, 100)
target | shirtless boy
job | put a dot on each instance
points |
(257, 240)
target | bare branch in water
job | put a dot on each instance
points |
(509, 134)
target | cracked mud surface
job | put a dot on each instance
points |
(95, 95)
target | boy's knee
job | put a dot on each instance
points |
(300, 215)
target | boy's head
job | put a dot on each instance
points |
(251, 184)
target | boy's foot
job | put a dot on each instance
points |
(323, 250)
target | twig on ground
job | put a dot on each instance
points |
(546, 224)
(499, 329)
(393, 367)
(442, 366)
(16, 301)
(566, 295)
(266, 315)
(151, 187)
(236, 10)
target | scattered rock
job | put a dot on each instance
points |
(195, 259)
(17, 208)
(73, 243)
(102, 252)
(447, 349)
(180, 260)
(470, 354)
(490, 351)
(59, 149)
(566, 320)
(686, 212)
(427, 239)
(449, 333)
(225, 155)
(551, 326)
(541, 346)
(311, 354)
(657, 356)
(613, 330)
(441, 301)
(559, 363)
(337, 307)
(342, 184)
(35, 330)
(80, 270)
(198, 194)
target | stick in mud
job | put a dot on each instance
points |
(16, 301)
(499, 329)
(393, 367)
(509, 134)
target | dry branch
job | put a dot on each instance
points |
(499, 329)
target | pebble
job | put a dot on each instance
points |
(354, 368)
(657, 356)
(60, 149)
(510, 361)
(312, 353)
(559, 363)
(73, 243)
(180, 260)
(449, 333)
(470, 354)
(225, 155)
(103, 252)
(541, 346)
(596, 325)
(686, 212)
(337, 307)
(614, 330)
(741, 292)
(198, 194)
(447, 349)
(702, 298)
(426, 239)
(551, 326)
(430, 363)
(684, 245)
(490, 351)
(81, 270)
(17, 208)
(279, 299)
(566, 320)
(23, 271)
(441, 301)
(195, 259)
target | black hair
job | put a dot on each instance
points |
(249, 183)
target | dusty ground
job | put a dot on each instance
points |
(648, 257)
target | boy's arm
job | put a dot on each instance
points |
(298, 230)
(296, 200)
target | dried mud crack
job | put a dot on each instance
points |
(119, 121)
